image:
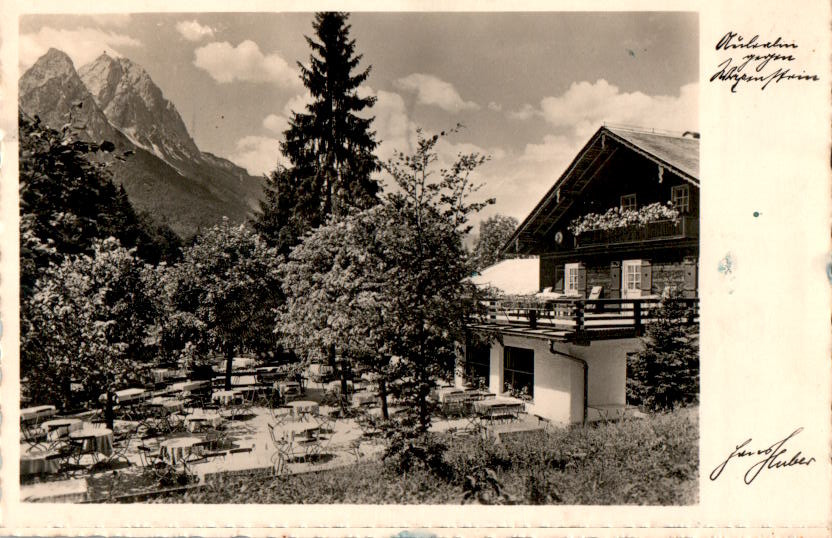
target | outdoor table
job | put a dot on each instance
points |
(238, 363)
(247, 392)
(443, 392)
(288, 388)
(61, 427)
(171, 405)
(125, 396)
(181, 449)
(94, 440)
(335, 386)
(29, 414)
(197, 420)
(189, 386)
(364, 398)
(226, 397)
(161, 374)
(306, 431)
(35, 461)
(483, 406)
(301, 408)
(477, 395)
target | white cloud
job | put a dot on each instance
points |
(585, 106)
(226, 63)
(257, 154)
(496, 107)
(193, 31)
(83, 45)
(520, 180)
(277, 123)
(552, 149)
(525, 112)
(431, 90)
(119, 20)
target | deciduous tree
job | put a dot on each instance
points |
(91, 320)
(222, 297)
(494, 232)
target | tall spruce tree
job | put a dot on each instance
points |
(328, 146)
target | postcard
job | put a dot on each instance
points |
(468, 269)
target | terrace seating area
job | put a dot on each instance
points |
(196, 430)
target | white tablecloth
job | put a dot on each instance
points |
(442, 394)
(61, 427)
(197, 421)
(189, 386)
(94, 440)
(37, 413)
(301, 407)
(181, 449)
(482, 406)
(34, 461)
(226, 397)
(364, 398)
(125, 396)
(169, 404)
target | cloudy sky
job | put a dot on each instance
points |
(530, 88)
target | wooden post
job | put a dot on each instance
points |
(637, 317)
(579, 316)
(532, 318)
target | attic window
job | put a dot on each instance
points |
(628, 202)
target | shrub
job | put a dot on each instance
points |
(665, 373)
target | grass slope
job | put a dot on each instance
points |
(650, 462)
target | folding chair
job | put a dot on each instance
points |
(284, 451)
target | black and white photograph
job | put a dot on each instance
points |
(379, 258)
(330, 267)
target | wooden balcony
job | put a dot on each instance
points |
(683, 228)
(578, 320)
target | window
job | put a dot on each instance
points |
(518, 372)
(680, 198)
(628, 202)
(477, 365)
(571, 271)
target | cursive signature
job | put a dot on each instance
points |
(775, 457)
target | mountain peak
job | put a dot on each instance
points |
(55, 62)
(134, 104)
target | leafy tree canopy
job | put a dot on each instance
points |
(222, 297)
(494, 232)
(91, 320)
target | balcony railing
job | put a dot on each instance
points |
(682, 228)
(584, 316)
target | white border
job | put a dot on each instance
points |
(765, 336)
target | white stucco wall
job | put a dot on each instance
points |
(558, 390)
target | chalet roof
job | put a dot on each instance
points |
(518, 276)
(679, 154)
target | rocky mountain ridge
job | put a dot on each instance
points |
(168, 176)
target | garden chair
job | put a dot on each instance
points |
(454, 405)
(355, 449)
(281, 414)
(284, 451)
(325, 422)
